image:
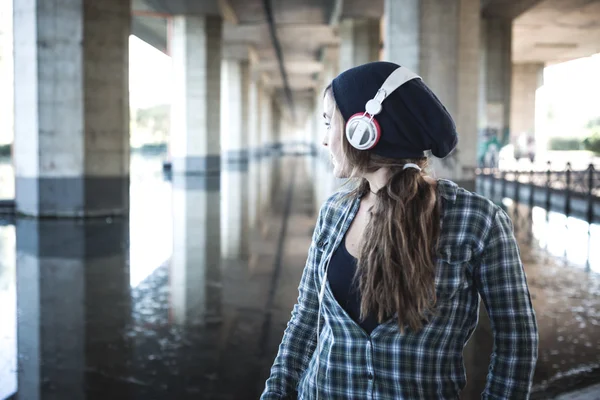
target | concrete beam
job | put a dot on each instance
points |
(186, 7)
(149, 30)
(363, 9)
(317, 34)
(306, 67)
(240, 52)
(506, 9)
(228, 12)
(296, 82)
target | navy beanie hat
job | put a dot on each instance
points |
(412, 121)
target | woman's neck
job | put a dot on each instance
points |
(378, 179)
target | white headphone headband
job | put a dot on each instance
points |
(397, 78)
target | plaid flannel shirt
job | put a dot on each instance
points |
(478, 256)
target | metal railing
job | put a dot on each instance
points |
(572, 192)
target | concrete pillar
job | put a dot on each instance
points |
(196, 262)
(402, 37)
(439, 40)
(326, 185)
(234, 193)
(526, 79)
(195, 111)
(71, 107)
(266, 134)
(6, 74)
(360, 41)
(497, 36)
(253, 133)
(310, 142)
(74, 302)
(276, 147)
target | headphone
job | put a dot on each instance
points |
(362, 129)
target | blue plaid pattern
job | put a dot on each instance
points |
(478, 257)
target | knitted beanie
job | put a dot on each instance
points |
(412, 120)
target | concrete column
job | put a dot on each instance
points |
(360, 42)
(276, 146)
(266, 133)
(402, 37)
(440, 41)
(497, 36)
(196, 262)
(526, 79)
(74, 302)
(6, 74)
(195, 111)
(253, 133)
(234, 194)
(71, 107)
(326, 184)
(310, 142)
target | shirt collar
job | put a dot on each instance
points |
(447, 189)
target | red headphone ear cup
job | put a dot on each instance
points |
(374, 130)
(378, 134)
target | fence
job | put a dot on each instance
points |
(574, 193)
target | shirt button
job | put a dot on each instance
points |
(370, 376)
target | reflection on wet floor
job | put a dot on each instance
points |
(562, 268)
(151, 308)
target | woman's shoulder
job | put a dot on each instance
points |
(467, 216)
(333, 208)
(338, 201)
(463, 201)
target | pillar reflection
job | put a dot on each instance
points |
(73, 304)
(195, 275)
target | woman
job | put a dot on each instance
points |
(390, 292)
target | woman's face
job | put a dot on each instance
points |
(333, 136)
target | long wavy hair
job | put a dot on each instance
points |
(396, 263)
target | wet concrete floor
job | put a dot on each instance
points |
(139, 309)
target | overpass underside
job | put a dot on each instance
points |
(179, 286)
(248, 78)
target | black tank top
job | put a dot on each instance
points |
(340, 274)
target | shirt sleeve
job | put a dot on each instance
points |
(299, 338)
(502, 284)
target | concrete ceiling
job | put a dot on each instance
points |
(506, 8)
(555, 31)
(543, 31)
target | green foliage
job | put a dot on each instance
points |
(592, 143)
(151, 148)
(156, 118)
(5, 150)
(593, 124)
(565, 143)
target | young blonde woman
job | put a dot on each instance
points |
(390, 292)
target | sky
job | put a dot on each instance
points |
(149, 75)
(572, 90)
